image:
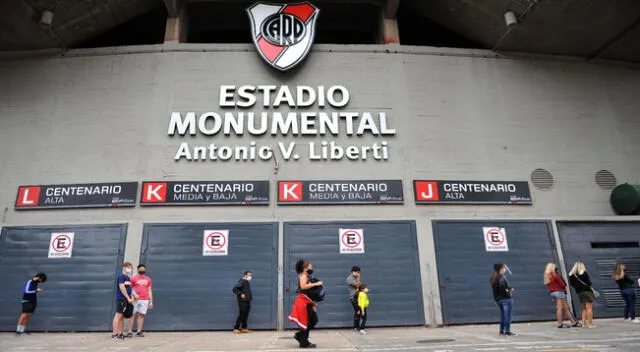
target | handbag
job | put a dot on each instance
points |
(596, 294)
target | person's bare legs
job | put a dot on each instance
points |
(565, 308)
(559, 311)
(589, 308)
(129, 325)
(116, 324)
(584, 314)
(140, 322)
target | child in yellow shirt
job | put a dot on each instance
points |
(363, 303)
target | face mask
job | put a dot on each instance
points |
(142, 272)
(310, 271)
(366, 290)
(248, 278)
(128, 271)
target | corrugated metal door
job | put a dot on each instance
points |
(465, 266)
(79, 292)
(193, 292)
(390, 268)
(600, 246)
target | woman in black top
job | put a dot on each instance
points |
(628, 292)
(580, 281)
(502, 296)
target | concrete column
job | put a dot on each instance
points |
(172, 32)
(390, 33)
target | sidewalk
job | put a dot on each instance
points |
(612, 335)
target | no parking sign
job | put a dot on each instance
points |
(61, 244)
(215, 242)
(495, 239)
(351, 241)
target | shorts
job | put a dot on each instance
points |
(141, 306)
(558, 295)
(586, 297)
(125, 308)
(28, 307)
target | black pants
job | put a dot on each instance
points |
(243, 315)
(363, 319)
(356, 316)
(303, 335)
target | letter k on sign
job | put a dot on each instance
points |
(154, 192)
(290, 191)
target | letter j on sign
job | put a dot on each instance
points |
(351, 241)
(495, 239)
(215, 242)
(61, 245)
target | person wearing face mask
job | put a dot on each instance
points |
(143, 297)
(124, 300)
(502, 295)
(243, 293)
(363, 303)
(303, 313)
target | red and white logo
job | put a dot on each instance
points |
(427, 191)
(290, 191)
(28, 196)
(283, 34)
(154, 192)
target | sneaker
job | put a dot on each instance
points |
(246, 331)
(311, 345)
(121, 337)
(577, 325)
(509, 333)
(636, 321)
(356, 330)
(114, 337)
(563, 326)
(236, 331)
(129, 334)
(363, 332)
(139, 334)
(501, 333)
(19, 333)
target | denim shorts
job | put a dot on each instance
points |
(558, 295)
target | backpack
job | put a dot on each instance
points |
(316, 293)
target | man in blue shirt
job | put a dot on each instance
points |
(29, 301)
(124, 301)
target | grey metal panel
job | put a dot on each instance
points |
(79, 294)
(193, 292)
(464, 269)
(390, 267)
(576, 239)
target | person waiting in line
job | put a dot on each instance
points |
(143, 299)
(243, 293)
(502, 295)
(581, 283)
(353, 283)
(558, 290)
(29, 301)
(304, 313)
(124, 300)
(628, 292)
(363, 304)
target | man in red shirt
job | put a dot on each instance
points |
(143, 295)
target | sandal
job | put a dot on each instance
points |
(577, 325)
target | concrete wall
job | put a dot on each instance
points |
(460, 116)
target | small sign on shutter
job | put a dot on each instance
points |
(61, 244)
(495, 239)
(351, 241)
(215, 243)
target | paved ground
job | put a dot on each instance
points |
(609, 336)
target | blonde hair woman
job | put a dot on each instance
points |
(558, 289)
(579, 279)
(628, 292)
